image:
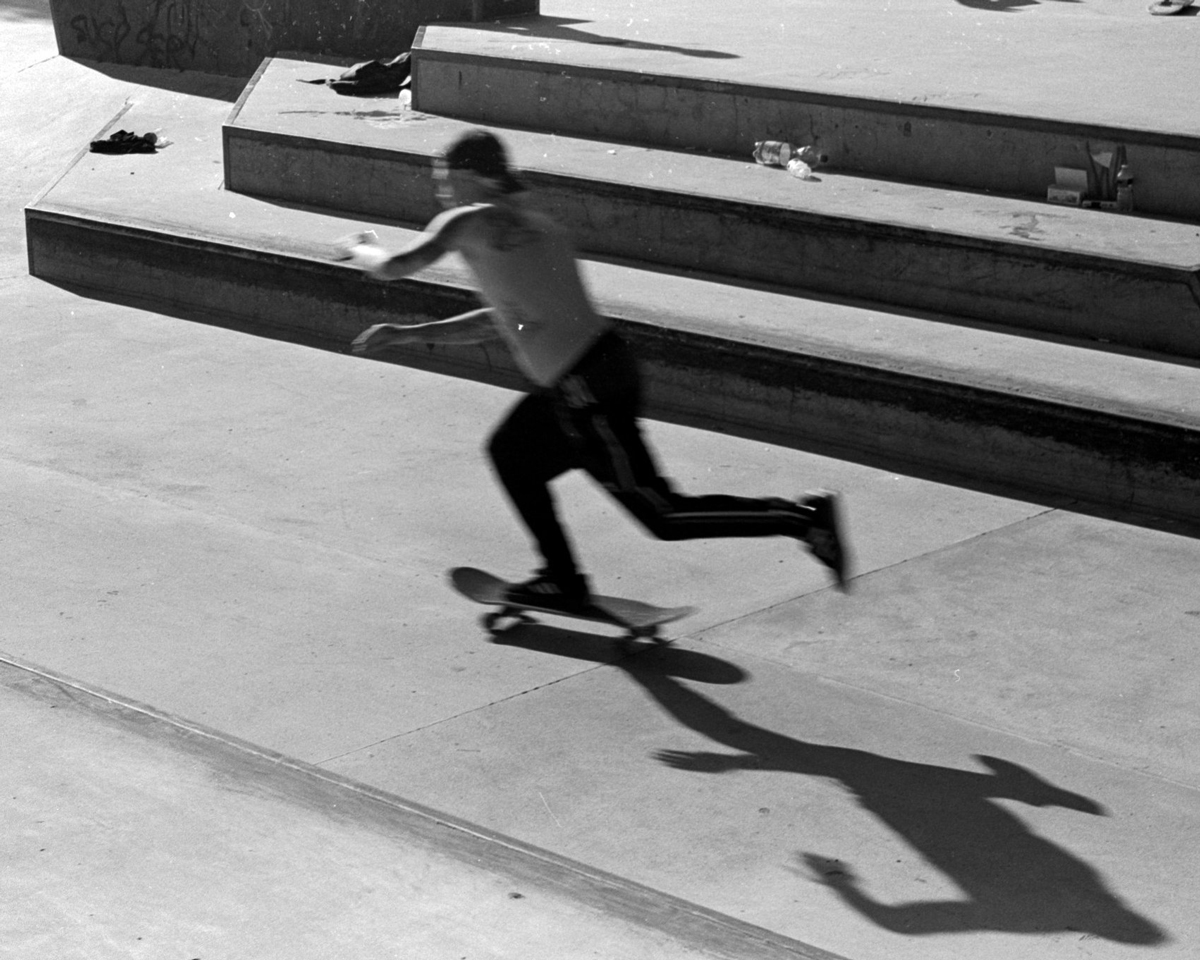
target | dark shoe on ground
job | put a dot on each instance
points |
(569, 593)
(123, 141)
(824, 537)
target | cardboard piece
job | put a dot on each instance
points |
(1070, 186)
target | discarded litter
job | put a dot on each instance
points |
(1102, 175)
(1106, 184)
(780, 153)
(1125, 189)
(773, 153)
(373, 78)
(123, 141)
(799, 169)
(1070, 186)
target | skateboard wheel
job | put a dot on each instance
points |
(494, 622)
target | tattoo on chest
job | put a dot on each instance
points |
(509, 233)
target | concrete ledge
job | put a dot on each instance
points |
(1080, 273)
(471, 76)
(635, 921)
(936, 422)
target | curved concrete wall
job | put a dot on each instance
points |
(232, 37)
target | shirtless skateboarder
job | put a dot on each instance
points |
(583, 410)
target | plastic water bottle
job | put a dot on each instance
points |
(1125, 189)
(799, 161)
(810, 156)
(773, 153)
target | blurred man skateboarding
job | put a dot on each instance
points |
(583, 410)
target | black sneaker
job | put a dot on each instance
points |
(569, 593)
(824, 538)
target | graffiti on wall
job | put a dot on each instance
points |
(102, 37)
(255, 17)
(168, 36)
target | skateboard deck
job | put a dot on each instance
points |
(638, 619)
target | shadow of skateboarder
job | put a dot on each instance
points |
(1013, 880)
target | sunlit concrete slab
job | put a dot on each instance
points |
(873, 823)
(129, 833)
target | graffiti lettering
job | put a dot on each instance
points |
(102, 37)
(258, 19)
(168, 37)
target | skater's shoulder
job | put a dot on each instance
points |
(458, 219)
(475, 223)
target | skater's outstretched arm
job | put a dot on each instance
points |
(433, 243)
(441, 236)
(474, 327)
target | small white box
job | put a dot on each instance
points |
(1064, 195)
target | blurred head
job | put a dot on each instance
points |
(474, 168)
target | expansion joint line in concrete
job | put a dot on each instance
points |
(228, 740)
(899, 563)
(189, 509)
(30, 66)
(621, 897)
(466, 713)
(1074, 751)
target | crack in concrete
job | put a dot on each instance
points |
(699, 634)
(36, 64)
(465, 713)
(139, 493)
(1054, 745)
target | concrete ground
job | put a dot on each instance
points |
(990, 748)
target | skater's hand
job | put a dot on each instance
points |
(362, 250)
(346, 245)
(380, 337)
(830, 871)
(700, 762)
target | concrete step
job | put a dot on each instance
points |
(578, 85)
(922, 394)
(1127, 280)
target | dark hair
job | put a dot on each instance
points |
(481, 152)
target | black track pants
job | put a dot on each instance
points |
(589, 421)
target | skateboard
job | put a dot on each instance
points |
(639, 620)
